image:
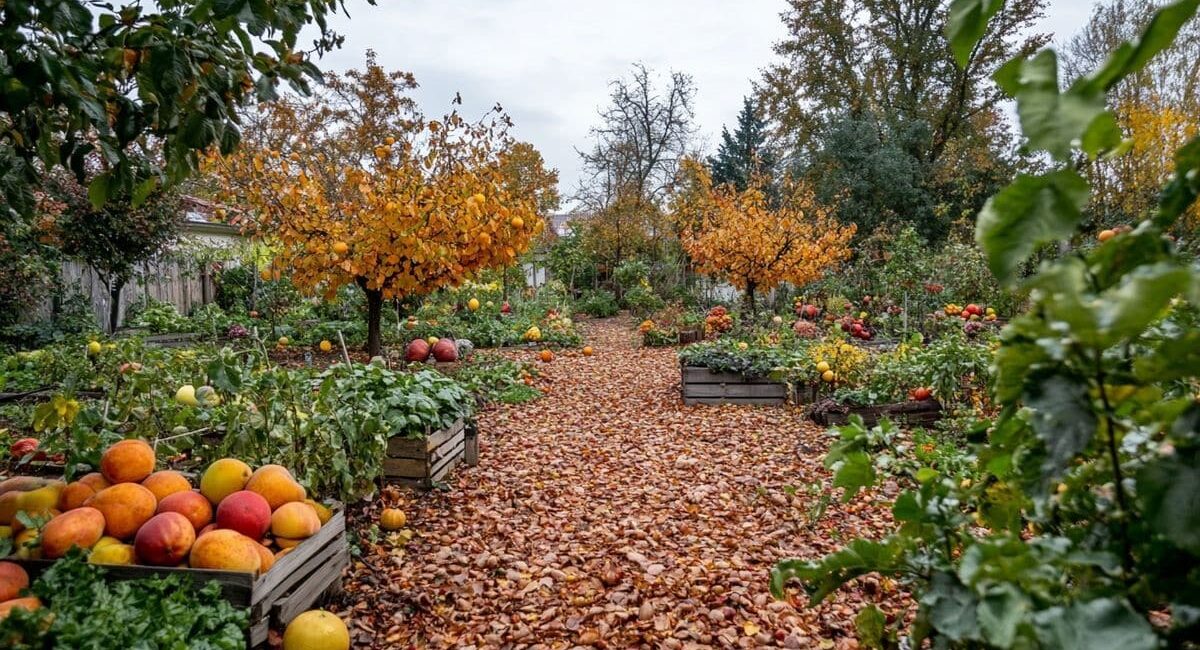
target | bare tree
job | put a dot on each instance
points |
(1171, 79)
(640, 140)
(643, 135)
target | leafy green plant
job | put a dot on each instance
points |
(598, 303)
(156, 316)
(84, 610)
(1081, 531)
(728, 355)
(642, 301)
(494, 378)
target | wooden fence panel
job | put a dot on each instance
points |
(177, 281)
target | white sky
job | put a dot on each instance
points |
(549, 62)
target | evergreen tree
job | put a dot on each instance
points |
(745, 151)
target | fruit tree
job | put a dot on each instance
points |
(753, 244)
(355, 185)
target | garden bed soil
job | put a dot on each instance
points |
(292, 586)
(829, 412)
(703, 386)
(423, 462)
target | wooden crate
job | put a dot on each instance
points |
(911, 413)
(292, 586)
(421, 462)
(703, 386)
(687, 337)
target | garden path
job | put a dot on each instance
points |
(608, 514)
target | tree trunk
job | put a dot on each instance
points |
(750, 298)
(114, 303)
(374, 321)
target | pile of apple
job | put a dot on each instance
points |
(970, 312)
(442, 350)
(857, 327)
(237, 520)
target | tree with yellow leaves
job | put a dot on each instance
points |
(355, 185)
(755, 246)
(1127, 187)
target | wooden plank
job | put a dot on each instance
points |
(694, 375)
(735, 390)
(471, 453)
(290, 567)
(452, 455)
(760, 401)
(416, 447)
(405, 468)
(308, 592)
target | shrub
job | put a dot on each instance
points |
(642, 301)
(598, 303)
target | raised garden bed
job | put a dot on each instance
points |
(829, 412)
(703, 386)
(687, 337)
(421, 462)
(292, 586)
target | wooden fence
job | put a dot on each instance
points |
(180, 281)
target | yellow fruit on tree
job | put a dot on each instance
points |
(517, 222)
(316, 630)
(341, 247)
(392, 519)
(326, 346)
(823, 367)
(828, 375)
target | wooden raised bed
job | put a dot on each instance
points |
(292, 586)
(831, 413)
(421, 462)
(703, 386)
(687, 337)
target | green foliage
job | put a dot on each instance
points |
(569, 261)
(86, 79)
(1081, 530)
(598, 303)
(156, 316)
(235, 288)
(631, 273)
(746, 152)
(726, 355)
(83, 610)
(642, 301)
(494, 378)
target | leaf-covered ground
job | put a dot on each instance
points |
(607, 514)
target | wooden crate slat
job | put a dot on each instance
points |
(695, 375)
(308, 592)
(734, 390)
(290, 568)
(424, 465)
(416, 447)
(444, 464)
(760, 401)
(405, 467)
(702, 386)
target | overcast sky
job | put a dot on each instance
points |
(549, 62)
